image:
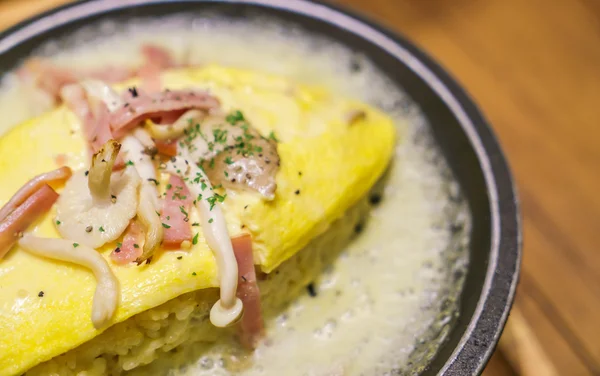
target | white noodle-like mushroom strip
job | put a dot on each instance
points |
(106, 297)
(228, 308)
(148, 203)
(177, 129)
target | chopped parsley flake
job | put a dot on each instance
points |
(136, 245)
(194, 273)
(235, 117)
(228, 160)
(272, 137)
(58, 222)
(101, 229)
(166, 225)
(119, 244)
(75, 245)
(182, 210)
(195, 239)
(129, 163)
(195, 224)
(220, 135)
(169, 186)
(210, 220)
(213, 200)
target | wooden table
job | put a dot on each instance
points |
(534, 68)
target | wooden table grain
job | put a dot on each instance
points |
(533, 66)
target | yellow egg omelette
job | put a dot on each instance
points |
(329, 159)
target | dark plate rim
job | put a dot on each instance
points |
(506, 235)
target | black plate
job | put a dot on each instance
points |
(465, 137)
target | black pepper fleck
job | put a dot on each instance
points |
(87, 172)
(375, 199)
(41, 294)
(297, 192)
(117, 250)
(311, 290)
(133, 91)
(358, 228)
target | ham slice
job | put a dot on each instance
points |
(46, 76)
(31, 187)
(93, 114)
(95, 117)
(251, 326)
(13, 225)
(158, 105)
(177, 203)
(157, 59)
(132, 246)
(51, 78)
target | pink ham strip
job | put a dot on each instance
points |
(31, 187)
(177, 196)
(157, 59)
(24, 215)
(251, 326)
(51, 78)
(128, 252)
(148, 106)
(46, 76)
(94, 115)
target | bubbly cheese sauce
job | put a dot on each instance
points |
(387, 302)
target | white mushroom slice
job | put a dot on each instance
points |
(149, 204)
(104, 93)
(106, 297)
(175, 130)
(96, 209)
(144, 137)
(228, 308)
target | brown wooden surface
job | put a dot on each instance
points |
(534, 68)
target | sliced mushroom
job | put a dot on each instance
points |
(234, 154)
(106, 297)
(177, 129)
(254, 171)
(148, 197)
(228, 309)
(96, 208)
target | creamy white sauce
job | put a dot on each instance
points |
(384, 302)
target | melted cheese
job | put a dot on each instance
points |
(326, 165)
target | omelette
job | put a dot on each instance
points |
(169, 195)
